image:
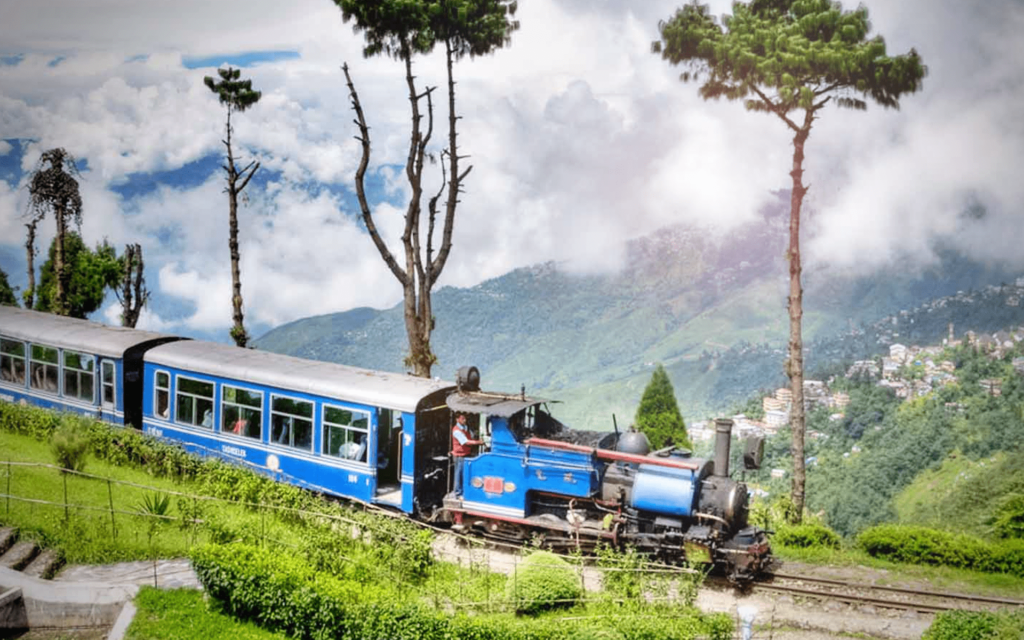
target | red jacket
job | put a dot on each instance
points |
(462, 450)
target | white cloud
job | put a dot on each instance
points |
(578, 135)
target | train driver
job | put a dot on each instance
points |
(462, 443)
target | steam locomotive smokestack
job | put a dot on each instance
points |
(723, 438)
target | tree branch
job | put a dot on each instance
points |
(364, 162)
(774, 108)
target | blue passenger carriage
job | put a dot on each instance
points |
(373, 436)
(73, 365)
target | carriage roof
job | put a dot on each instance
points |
(71, 333)
(375, 388)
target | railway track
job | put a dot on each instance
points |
(918, 600)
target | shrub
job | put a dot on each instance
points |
(921, 545)
(976, 625)
(543, 581)
(806, 536)
(1008, 520)
(70, 446)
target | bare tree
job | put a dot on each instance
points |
(53, 189)
(401, 29)
(132, 292)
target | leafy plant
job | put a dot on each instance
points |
(1008, 521)
(544, 581)
(806, 536)
(70, 446)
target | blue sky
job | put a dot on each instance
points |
(580, 139)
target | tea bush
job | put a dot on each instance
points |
(921, 545)
(976, 625)
(806, 536)
(544, 581)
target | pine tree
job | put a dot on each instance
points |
(658, 415)
(790, 59)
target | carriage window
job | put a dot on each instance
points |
(12, 361)
(194, 402)
(346, 433)
(291, 422)
(107, 385)
(44, 368)
(162, 385)
(241, 412)
(79, 376)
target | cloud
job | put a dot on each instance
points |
(578, 136)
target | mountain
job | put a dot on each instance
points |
(711, 309)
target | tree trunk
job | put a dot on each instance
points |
(238, 332)
(133, 295)
(30, 256)
(60, 270)
(795, 365)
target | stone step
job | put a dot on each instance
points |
(44, 565)
(19, 555)
(7, 537)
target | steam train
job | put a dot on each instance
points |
(384, 439)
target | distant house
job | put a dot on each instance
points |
(1018, 365)
(898, 352)
(992, 386)
(775, 420)
(778, 473)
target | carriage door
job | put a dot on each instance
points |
(108, 395)
(389, 455)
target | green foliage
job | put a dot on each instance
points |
(806, 536)
(232, 91)
(285, 594)
(7, 297)
(920, 545)
(398, 28)
(70, 446)
(976, 625)
(1008, 521)
(90, 273)
(971, 496)
(658, 415)
(802, 53)
(544, 581)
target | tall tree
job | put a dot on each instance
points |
(236, 95)
(53, 189)
(789, 59)
(401, 29)
(131, 290)
(7, 297)
(658, 415)
(90, 274)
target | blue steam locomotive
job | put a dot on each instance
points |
(384, 438)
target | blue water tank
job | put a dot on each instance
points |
(665, 490)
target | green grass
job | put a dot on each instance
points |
(88, 535)
(184, 614)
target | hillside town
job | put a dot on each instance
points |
(910, 371)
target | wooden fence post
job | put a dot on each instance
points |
(67, 516)
(8, 486)
(110, 501)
